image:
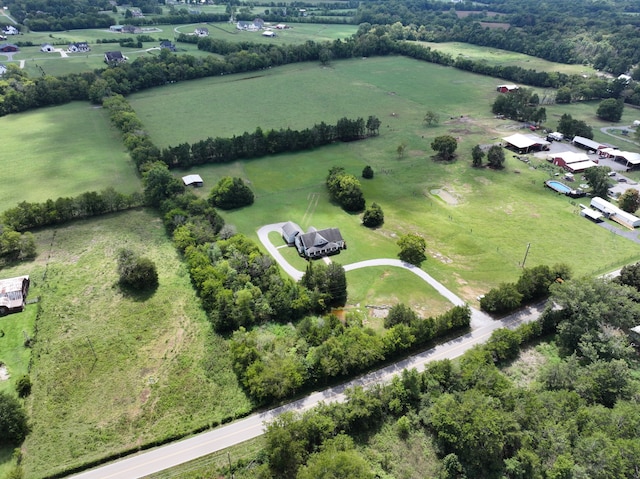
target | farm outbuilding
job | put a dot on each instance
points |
(13, 294)
(587, 144)
(47, 48)
(614, 213)
(192, 180)
(526, 143)
(506, 88)
(315, 244)
(628, 158)
(269, 33)
(564, 158)
(580, 166)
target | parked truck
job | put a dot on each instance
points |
(13, 294)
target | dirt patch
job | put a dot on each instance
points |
(144, 395)
(4, 372)
(525, 369)
(484, 181)
(441, 257)
(445, 196)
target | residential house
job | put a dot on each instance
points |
(507, 88)
(167, 45)
(80, 47)
(116, 28)
(8, 48)
(114, 57)
(316, 244)
(247, 26)
(47, 48)
(201, 32)
(11, 30)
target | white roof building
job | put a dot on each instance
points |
(192, 180)
(526, 142)
(612, 212)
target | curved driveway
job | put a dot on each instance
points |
(171, 455)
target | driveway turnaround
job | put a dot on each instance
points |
(174, 454)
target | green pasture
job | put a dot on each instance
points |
(112, 371)
(472, 245)
(396, 89)
(496, 57)
(61, 151)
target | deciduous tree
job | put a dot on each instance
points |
(373, 216)
(495, 157)
(476, 156)
(13, 421)
(445, 146)
(610, 109)
(629, 201)
(412, 249)
(231, 193)
(598, 179)
(431, 118)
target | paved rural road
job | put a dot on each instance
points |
(179, 452)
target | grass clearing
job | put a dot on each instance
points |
(61, 151)
(496, 57)
(112, 372)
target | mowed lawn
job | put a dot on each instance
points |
(472, 245)
(113, 371)
(61, 151)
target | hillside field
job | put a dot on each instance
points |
(61, 151)
(472, 245)
(113, 371)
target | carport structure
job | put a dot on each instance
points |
(526, 143)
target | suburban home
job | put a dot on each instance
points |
(507, 88)
(192, 180)
(611, 211)
(316, 244)
(11, 30)
(47, 48)
(269, 33)
(13, 294)
(114, 57)
(8, 48)
(526, 143)
(167, 45)
(3, 69)
(80, 47)
(201, 32)
(289, 232)
(247, 26)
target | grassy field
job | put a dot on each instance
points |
(473, 244)
(495, 56)
(61, 151)
(112, 371)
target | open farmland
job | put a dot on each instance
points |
(474, 242)
(61, 151)
(495, 56)
(113, 371)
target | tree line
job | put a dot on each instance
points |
(577, 419)
(261, 143)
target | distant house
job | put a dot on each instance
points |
(114, 57)
(13, 294)
(167, 45)
(281, 26)
(192, 180)
(316, 244)
(8, 48)
(289, 232)
(80, 47)
(47, 48)
(507, 88)
(269, 33)
(247, 26)
(201, 32)
(3, 69)
(116, 28)
(11, 30)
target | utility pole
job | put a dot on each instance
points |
(525, 254)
